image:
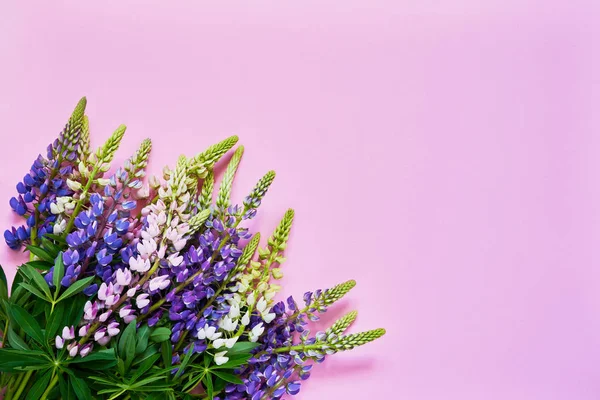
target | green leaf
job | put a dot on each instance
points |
(167, 354)
(66, 390)
(56, 238)
(227, 377)
(40, 385)
(128, 332)
(33, 290)
(74, 310)
(234, 361)
(3, 284)
(145, 366)
(143, 334)
(50, 247)
(242, 347)
(15, 341)
(55, 321)
(127, 344)
(12, 360)
(101, 355)
(82, 391)
(208, 385)
(160, 334)
(40, 253)
(185, 361)
(24, 320)
(58, 273)
(37, 278)
(75, 288)
(37, 264)
(149, 352)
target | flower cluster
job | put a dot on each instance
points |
(158, 283)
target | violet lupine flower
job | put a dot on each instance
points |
(45, 182)
(207, 265)
(87, 242)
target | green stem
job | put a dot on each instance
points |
(23, 385)
(4, 334)
(53, 383)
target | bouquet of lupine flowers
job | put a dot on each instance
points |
(152, 289)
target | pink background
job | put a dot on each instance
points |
(444, 154)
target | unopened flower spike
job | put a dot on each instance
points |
(84, 140)
(223, 199)
(206, 194)
(204, 161)
(341, 325)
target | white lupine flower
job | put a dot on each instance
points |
(73, 349)
(139, 264)
(123, 277)
(268, 317)
(99, 334)
(59, 342)
(209, 332)
(146, 247)
(261, 305)
(85, 350)
(162, 218)
(68, 333)
(175, 260)
(143, 192)
(84, 330)
(180, 244)
(59, 227)
(246, 319)
(228, 324)
(220, 358)
(113, 329)
(256, 332)
(56, 209)
(159, 283)
(104, 316)
(229, 343)
(234, 311)
(103, 341)
(131, 292)
(217, 344)
(251, 299)
(103, 181)
(142, 300)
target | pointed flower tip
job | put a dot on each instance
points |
(351, 283)
(379, 333)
